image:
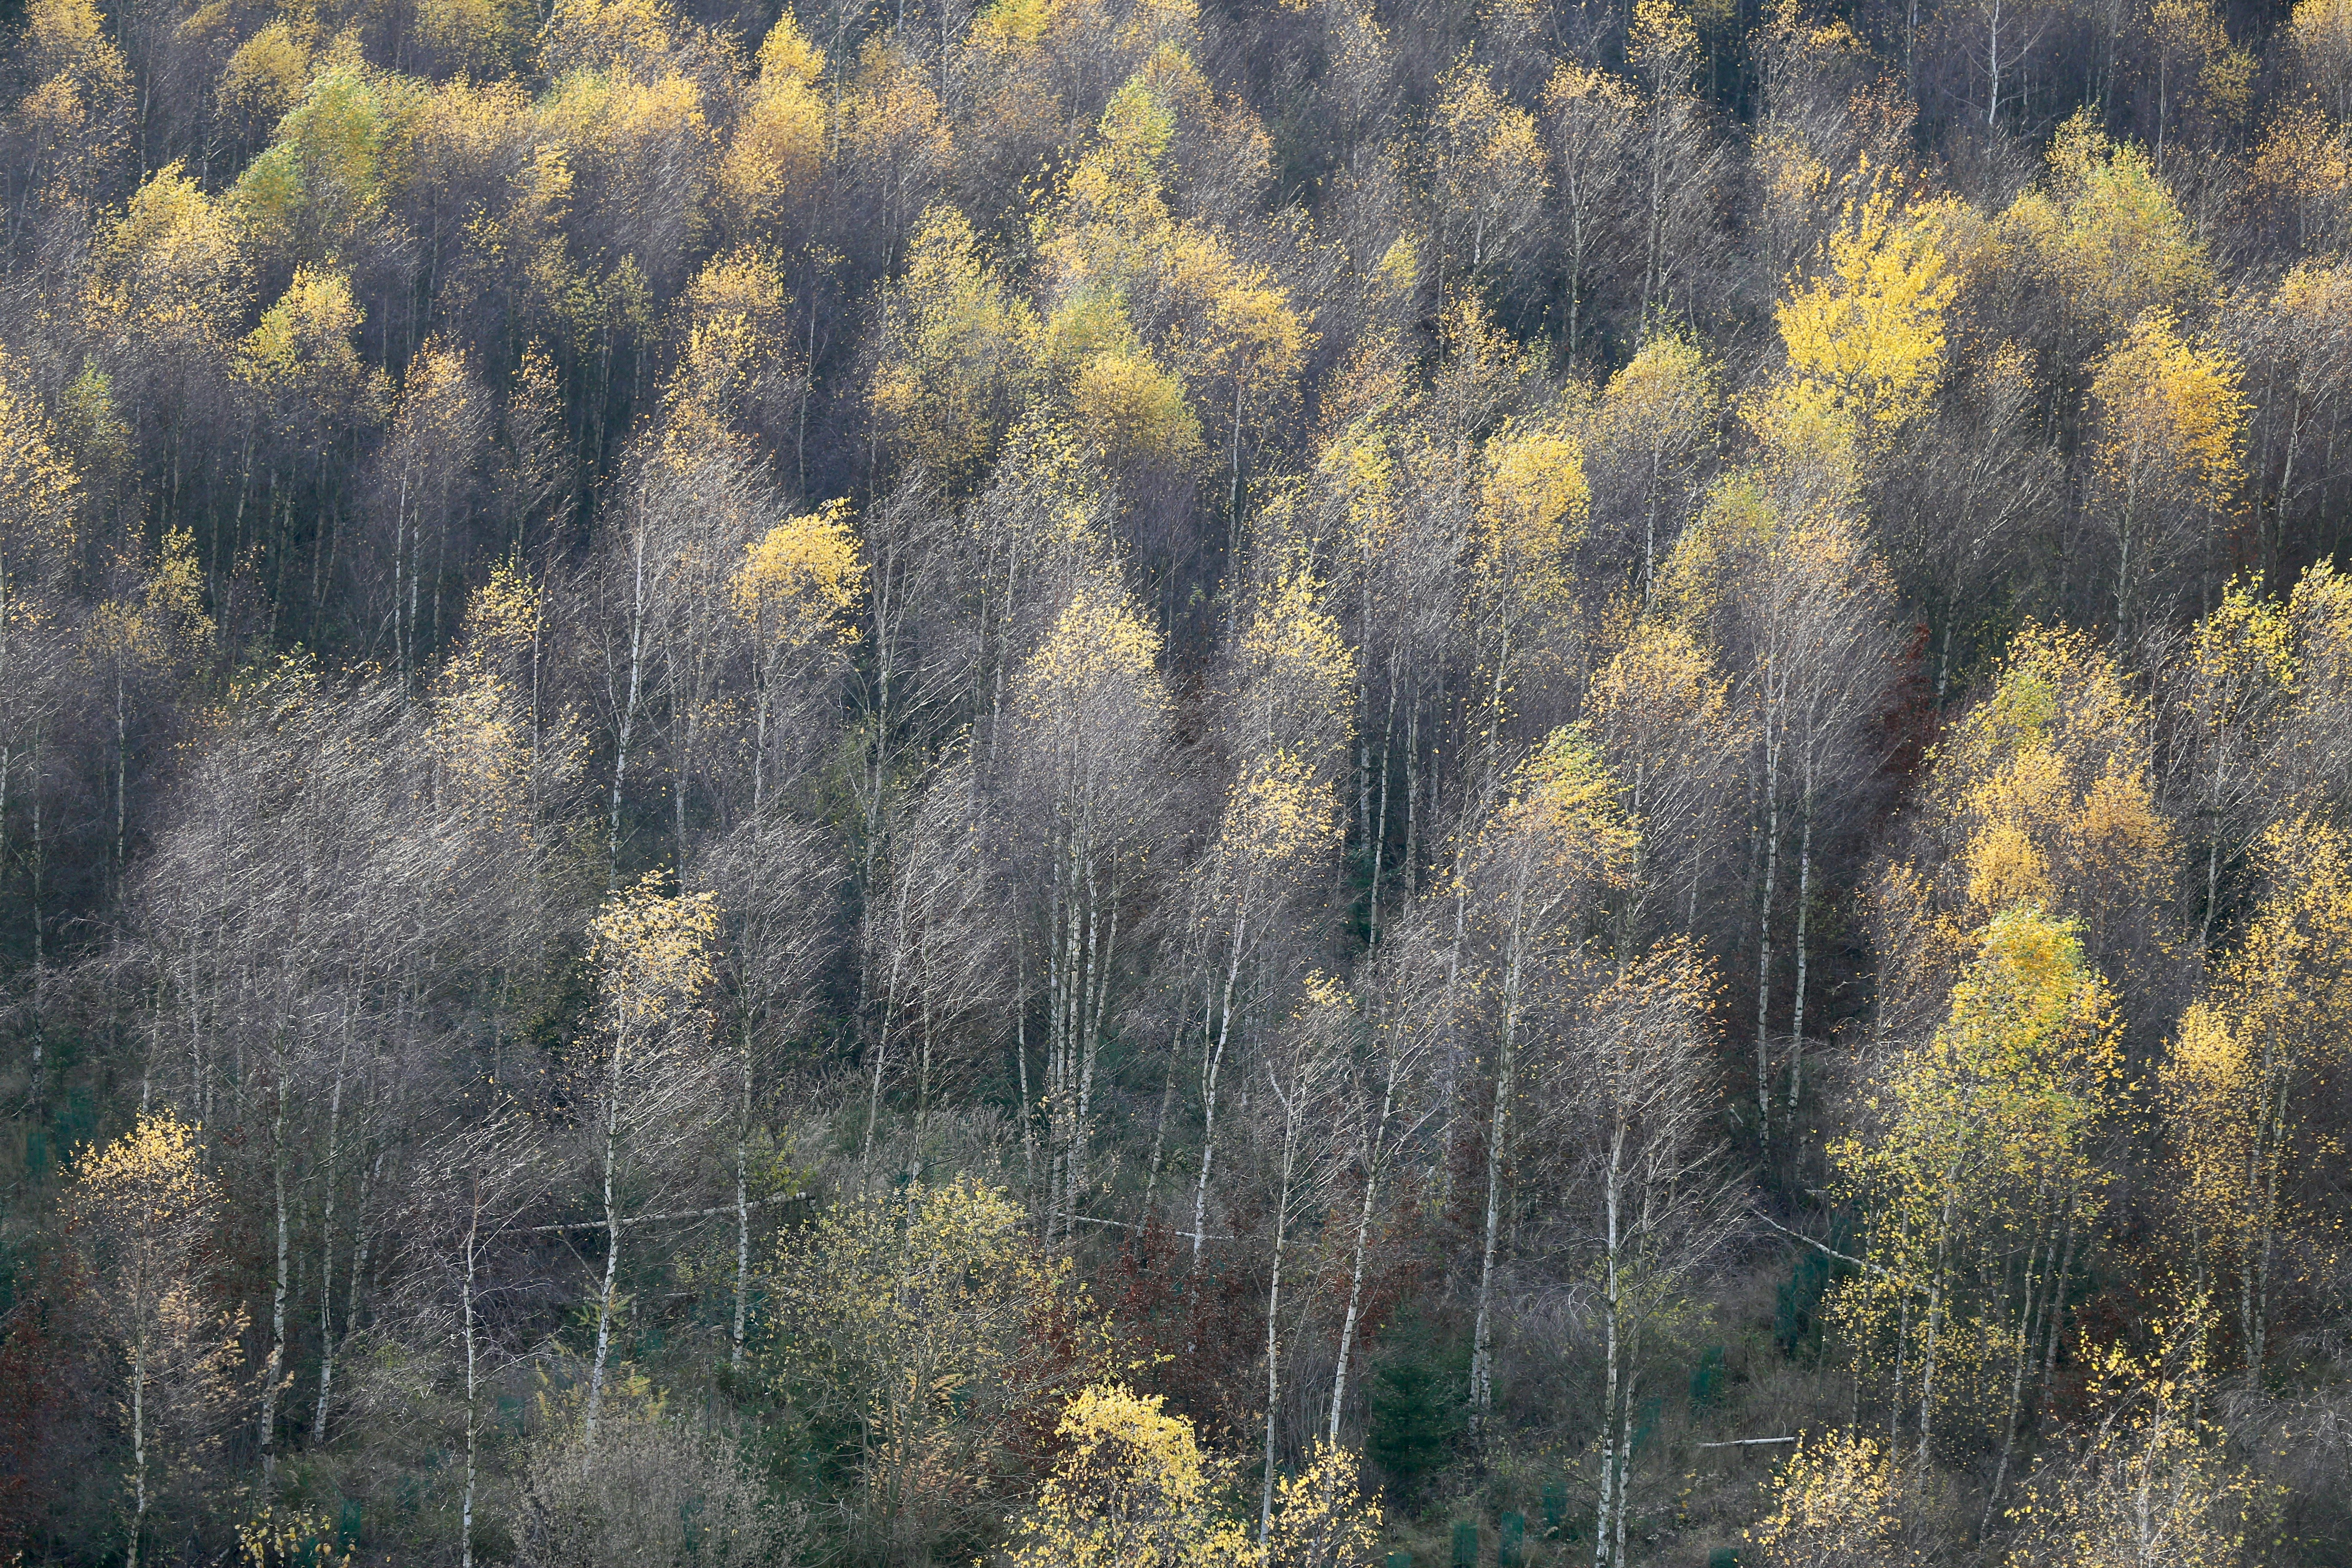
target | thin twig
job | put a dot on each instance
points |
(1823, 1248)
(1746, 1442)
(656, 1218)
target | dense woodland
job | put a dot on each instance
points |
(1082, 782)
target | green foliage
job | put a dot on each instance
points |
(1418, 1416)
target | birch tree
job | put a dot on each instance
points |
(1533, 875)
(645, 1074)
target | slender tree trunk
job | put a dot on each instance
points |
(473, 1395)
(2024, 1358)
(1612, 1303)
(273, 1376)
(1481, 1367)
(1209, 1086)
(1764, 936)
(612, 1249)
(1373, 1161)
(1935, 1320)
(1273, 1336)
(138, 1448)
(742, 1207)
(1804, 893)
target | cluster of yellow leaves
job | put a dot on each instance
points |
(1989, 1140)
(2045, 789)
(799, 580)
(302, 351)
(1167, 297)
(1298, 665)
(1133, 1489)
(1833, 1506)
(303, 1535)
(149, 1181)
(2172, 414)
(2320, 31)
(482, 748)
(1281, 809)
(1866, 334)
(172, 265)
(2151, 1484)
(164, 619)
(737, 341)
(1489, 172)
(1322, 1519)
(1533, 507)
(777, 155)
(2105, 232)
(954, 352)
(924, 1309)
(1100, 645)
(2192, 32)
(2278, 1013)
(652, 951)
(1563, 809)
(41, 493)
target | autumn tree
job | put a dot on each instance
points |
(144, 1210)
(929, 1327)
(1533, 873)
(645, 1077)
(1132, 1486)
(2169, 461)
(2237, 1084)
(1985, 1184)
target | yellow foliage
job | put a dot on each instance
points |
(340, 156)
(1664, 37)
(1666, 394)
(1564, 810)
(149, 1183)
(2191, 32)
(2235, 1077)
(304, 342)
(1099, 643)
(267, 74)
(1490, 169)
(164, 621)
(1534, 503)
(1322, 1519)
(175, 253)
(2172, 415)
(2105, 231)
(1299, 666)
(954, 349)
(40, 492)
(786, 55)
(1833, 1505)
(1865, 336)
(737, 365)
(1989, 1143)
(652, 951)
(798, 582)
(2044, 791)
(627, 36)
(1227, 328)
(926, 1312)
(2321, 34)
(2151, 1484)
(1280, 810)
(1131, 1489)
(777, 154)
(475, 36)
(1130, 410)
